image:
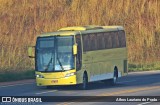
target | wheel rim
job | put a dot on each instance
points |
(114, 79)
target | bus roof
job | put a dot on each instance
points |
(82, 29)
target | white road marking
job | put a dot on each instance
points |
(15, 85)
(144, 103)
(47, 92)
(127, 81)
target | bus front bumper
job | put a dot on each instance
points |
(59, 81)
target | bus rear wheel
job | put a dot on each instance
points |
(115, 77)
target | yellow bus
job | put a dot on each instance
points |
(79, 55)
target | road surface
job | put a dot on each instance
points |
(134, 84)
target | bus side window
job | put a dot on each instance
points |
(122, 40)
(113, 39)
(79, 53)
(86, 43)
(106, 40)
(103, 41)
(92, 42)
(95, 42)
(89, 43)
(117, 40)
(100, 41)
(109, 40)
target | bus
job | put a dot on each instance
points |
(79, 55)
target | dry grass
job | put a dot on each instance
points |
(22, 20)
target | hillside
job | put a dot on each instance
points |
(22, 20)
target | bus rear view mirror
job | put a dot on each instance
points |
(74, 49)
(31, 51)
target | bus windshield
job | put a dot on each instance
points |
(54, 53)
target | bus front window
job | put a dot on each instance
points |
(54, 54)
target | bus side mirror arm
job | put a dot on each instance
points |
(75, 49)
(31, 51)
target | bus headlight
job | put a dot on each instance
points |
(70, 74)
(39, 76)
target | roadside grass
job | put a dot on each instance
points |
(143, 67)
(13, 76)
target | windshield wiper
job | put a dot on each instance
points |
(50, 61)
(60, 63)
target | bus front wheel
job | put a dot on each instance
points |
(84, 84)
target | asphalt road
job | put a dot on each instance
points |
(134, 84)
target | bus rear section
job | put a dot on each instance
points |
(104, 55)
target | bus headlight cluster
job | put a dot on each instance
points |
(39, 76)
(70, 74)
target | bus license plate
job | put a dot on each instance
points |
(54, 81)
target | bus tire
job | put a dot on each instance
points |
(84, 84)
(115, 77)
